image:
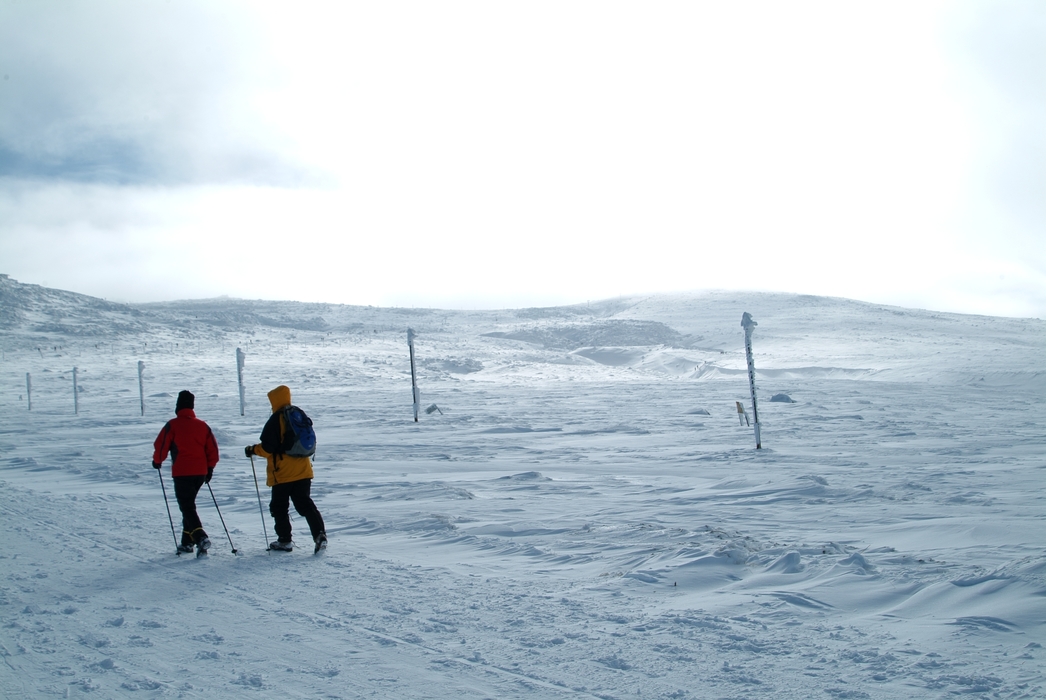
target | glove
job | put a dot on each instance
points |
(156, 465)
(249, 451)
(210, 473)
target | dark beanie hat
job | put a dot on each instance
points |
(185, 400)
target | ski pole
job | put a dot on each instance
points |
(221, 518)
(260, 511)
(169, 518)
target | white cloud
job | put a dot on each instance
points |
(490, 155)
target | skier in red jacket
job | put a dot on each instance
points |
(194, 452)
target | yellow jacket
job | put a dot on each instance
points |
(280, 468)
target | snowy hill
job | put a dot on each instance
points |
(582, 517)
(682, 334)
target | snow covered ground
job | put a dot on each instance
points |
(583, 517)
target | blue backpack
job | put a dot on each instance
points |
(299, 439)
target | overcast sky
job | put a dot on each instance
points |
(493, 154)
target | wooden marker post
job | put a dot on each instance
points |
(748, 323)
(413, 373)
(141, 385)
(240, 358)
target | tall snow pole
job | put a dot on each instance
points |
(29, 390)
(748, 323)
(76, 396)
(141, 386)
(413, 373)
(240, 357)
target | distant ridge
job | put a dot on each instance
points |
(36, 309)
(694, 335)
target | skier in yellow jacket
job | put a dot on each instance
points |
(289, 476)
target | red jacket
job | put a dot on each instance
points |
(191, 444)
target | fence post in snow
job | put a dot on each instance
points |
(141, 386)
(29, 390)
(413, 373)
(748, 323)
(76, 395)
(240, 356)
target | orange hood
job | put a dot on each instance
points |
(280, 397)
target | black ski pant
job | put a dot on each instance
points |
(296, 492)
(185, 490)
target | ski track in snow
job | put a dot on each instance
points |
(572, 525)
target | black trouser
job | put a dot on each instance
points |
(185, 490)
(298, 493)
